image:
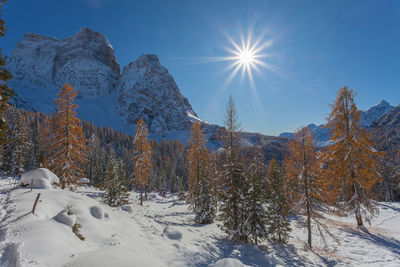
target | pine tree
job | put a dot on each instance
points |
(163, 185)
(278, 209)
(256, 220)
(234, 180)
(303, 174)
(69, 145)
(115, 187)
(15, 157)
(351, 158)
(142, 157)
(5, 91)
(36, 150)
(182, 188)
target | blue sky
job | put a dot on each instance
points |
(317, 48)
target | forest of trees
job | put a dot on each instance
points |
(249, 196)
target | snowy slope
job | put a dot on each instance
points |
(162, 233)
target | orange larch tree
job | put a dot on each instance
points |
(142, 157)
(199, 176)
(305, 183)
(352, 169)
(69, 145)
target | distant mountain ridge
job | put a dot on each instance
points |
(368, 117)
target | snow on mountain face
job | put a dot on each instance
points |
(86, 61)
(375, 112)
(41, 65)
(147, 91)
(368, 117)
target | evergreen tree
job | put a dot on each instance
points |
(114, 184)
(15, 152)
(69, 146)
(352, 168)
(234, 190)
(199, 179)
(5, 91)
(278, 209)
(256, 219)
(303, 174)
(36, 151)
(142, 157)
(182, 188)
(163, 185)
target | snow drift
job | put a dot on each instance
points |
(42, 178)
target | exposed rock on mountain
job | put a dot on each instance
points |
(386, 130)
(147, 91)
(86, 61)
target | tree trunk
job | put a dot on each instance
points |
(359, 220)
(141, 196)
(62, 184)
(145, 194)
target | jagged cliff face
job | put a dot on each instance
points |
(86, 61)
(41, 65)
(147, 91)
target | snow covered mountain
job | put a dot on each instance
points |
(41, 65)
(386, 130)
(147, 91)
(368, 117)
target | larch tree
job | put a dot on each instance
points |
(233, 193)
(278, 208)
(256, 220)
(69, 145)
(142, 157)
(5, 91)
(199, 179)
(303, 174)
(352, 169)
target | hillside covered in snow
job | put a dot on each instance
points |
(162, 233)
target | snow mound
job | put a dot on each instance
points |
(42, 178)
(63, 217)
(97, 212)
(84, 180)
(127, 208)
(173, 234)
(227, 262)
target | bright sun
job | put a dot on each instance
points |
(246, 57)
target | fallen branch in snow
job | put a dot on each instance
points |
(36, 201)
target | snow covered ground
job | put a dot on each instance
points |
(162, 233)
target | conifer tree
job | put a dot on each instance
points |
(5, 91)
(36, 150)
(351, 158)
(303, 173)
(182, 188)
(69, 145)
(163, 185)
(278, 209)
(199, 180)
(16, 150)
(142, 157)
(256, 220)
(114, 184)
(234, 180)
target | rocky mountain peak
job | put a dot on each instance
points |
(147, 91)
